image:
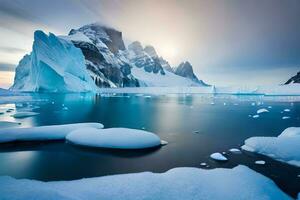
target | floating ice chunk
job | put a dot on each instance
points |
(203, 164)
(24, 114)
(148, 97)
(286, 117)
(262, 110)
(6, 124)
(269, 106)
(260, 162)
(249, 115)
(253, 104)
(287, 110)
(65, 108)
(197, 132)
(163, 142)
(255, 116)
(212, 103)
(218, 156)
(53, 132)
(284, 148)
(224, 104)
(234, 150)
(176, 184)
(119, 138)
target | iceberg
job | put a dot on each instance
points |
(54, 65)
(284, 148)
(197, 184)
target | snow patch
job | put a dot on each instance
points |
(175, 184)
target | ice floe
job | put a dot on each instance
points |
(284, 148)
(218, 157)
(260, 162)
(24, 114)
(255, 116)
(286, 117)
(175, 184)
(287, 110)
(235, 150)
(53, 132)
(119, 138)
(262, 110)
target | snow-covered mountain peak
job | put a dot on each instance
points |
(151, 51)
(98, 33)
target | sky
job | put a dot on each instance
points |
(232, 42)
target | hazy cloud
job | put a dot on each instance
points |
(7, 67)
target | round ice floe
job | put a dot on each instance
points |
(119, 138)
(262, 110)
(260, 162)
(234, 150)
(24, 114)
(218, 157)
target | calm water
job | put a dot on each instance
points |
(174, 118)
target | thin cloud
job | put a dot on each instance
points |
(7, 67)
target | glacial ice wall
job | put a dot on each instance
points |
(54, 65)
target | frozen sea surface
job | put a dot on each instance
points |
(173, 117)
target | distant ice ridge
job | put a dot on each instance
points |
(54, 65)
(284, 148)
(175, 184)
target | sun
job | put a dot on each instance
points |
(168, 51)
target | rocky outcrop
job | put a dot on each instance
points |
(103, 52)
(185, 69)
(294, 79)
(145, 58)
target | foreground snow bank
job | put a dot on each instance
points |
(283, 148)
(176, 184)
(121, 138)
(54, 132)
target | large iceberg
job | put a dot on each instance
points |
(176, 184)
(54, 65)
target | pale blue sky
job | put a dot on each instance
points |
(228, 42)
